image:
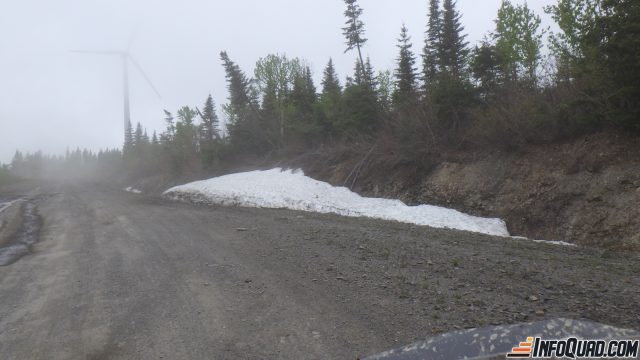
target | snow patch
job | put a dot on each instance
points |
(551, 242)
(133, 190)
(6, 205)
(291, 189)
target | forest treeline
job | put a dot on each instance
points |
(509, 90)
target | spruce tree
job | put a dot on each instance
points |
(361, 110)
(354, 29)
(210, 120)
(304, 121)
(310, 87)
(238, 86)
(138, 138)
(245, 130)
(128, 138)
(330, 100)
(208, 132)
(330, 82)
(303, 96)
(485, 66)
(145, 137)
(453, 47)
(358, 74)
(170, 127)
(370, 75)
(431, 55)
(405, 73)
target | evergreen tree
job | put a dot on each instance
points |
(431, 55)
(303, 100)
(354, 30)
(451, 94)
(170, 127)
(137, 138)
(370, 76)
(208, 132)
(244, 126)
(486, 67)
(453, 47)
(364, 76)
(330, 82)
(18, 160)
(128, 139)
(358, 74)
(186, 116)
(210, 121)
(145, 137)
(330, 100)
(405, 74)
(238, 86)
(311, 93)
(361, 111)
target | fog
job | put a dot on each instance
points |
(52, 99)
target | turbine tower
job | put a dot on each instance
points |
(126, 58)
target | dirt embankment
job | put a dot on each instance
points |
(586, 191)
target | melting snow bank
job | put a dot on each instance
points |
(293, 190)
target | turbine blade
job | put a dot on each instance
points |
(135, 63)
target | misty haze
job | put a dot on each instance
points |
(320, 179)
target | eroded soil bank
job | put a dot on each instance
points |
(586, 191)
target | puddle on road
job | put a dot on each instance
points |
(26, 236)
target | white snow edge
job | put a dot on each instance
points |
(291, 189)
(550, 242)
(133, 190)
(6, 205)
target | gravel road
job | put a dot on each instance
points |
(119, 275)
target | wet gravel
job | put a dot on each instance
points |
(120, 275)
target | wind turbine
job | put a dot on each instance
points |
(126, 57)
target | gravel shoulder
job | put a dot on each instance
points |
(119, 275)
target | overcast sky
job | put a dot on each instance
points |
(52, 99)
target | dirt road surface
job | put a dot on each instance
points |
(123, 276)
